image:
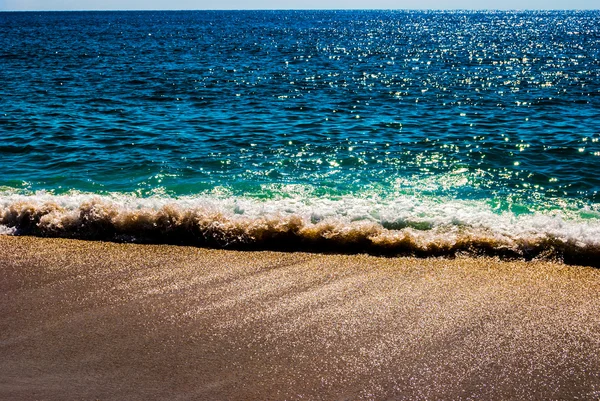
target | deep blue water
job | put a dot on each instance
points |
(431, 125)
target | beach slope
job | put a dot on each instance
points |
(94, 320)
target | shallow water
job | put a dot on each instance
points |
(446, 126)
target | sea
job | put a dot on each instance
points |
(422, 133)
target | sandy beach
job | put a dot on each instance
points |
(92, 320)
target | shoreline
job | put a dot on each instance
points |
(405, 227)
(97, 320)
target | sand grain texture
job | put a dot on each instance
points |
(93, 320)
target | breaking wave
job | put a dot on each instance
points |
(404, 225)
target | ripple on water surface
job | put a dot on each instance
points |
(498, 108)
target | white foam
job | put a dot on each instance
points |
(383, 221)
(4, 230)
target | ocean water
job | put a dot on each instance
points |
(393, 132)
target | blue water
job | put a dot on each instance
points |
(412, 132)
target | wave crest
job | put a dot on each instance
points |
(414, 227)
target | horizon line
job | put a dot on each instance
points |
(310, 9)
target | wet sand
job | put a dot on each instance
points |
(92, 320)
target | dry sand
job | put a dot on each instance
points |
(92, 320)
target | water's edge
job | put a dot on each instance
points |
(405, 227)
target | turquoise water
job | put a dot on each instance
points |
(388, 132)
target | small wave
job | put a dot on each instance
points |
(401, 226)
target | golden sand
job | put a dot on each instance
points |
(92, 320)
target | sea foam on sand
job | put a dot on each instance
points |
(401, 225)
